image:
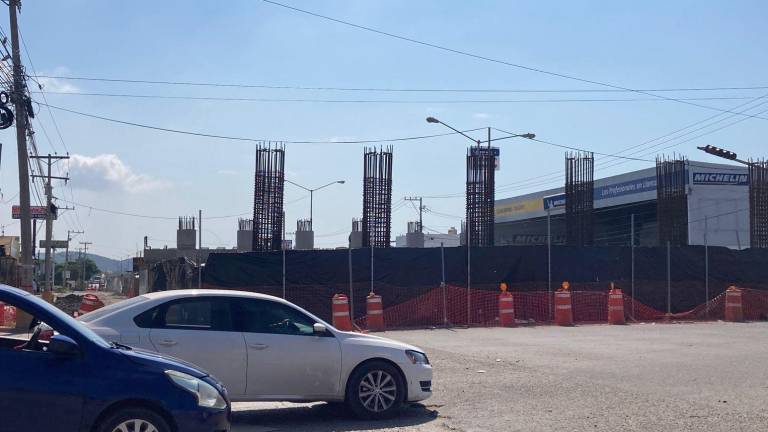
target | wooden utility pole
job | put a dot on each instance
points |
(49, 209)
(18, 97)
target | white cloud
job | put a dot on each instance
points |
(57, 85)
(107, 171)
(481, 116)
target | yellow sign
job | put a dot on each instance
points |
(520, 207)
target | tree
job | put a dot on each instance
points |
(74, 270)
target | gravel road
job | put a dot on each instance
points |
(675, 377)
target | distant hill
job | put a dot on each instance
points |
(105, 264)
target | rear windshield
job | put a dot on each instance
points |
(106, 310)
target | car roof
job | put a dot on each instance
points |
(13, 290)
(184, 293)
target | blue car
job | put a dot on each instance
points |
(77, 381)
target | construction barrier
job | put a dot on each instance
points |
(340, 310)
(506, 309)
(616, 306)
(375, 311)
(7, 315)
(563, 306)
(734, 304)
(90, 303)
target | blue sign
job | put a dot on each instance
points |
(722, 179)
(645, 184)
(554, 201)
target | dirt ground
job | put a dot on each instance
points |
(675, 377)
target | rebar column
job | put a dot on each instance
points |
(579, 198)
(377, 197)
(268, 197)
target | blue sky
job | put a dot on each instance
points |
(653, 44)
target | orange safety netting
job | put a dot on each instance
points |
(449, 305)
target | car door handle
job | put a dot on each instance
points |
(258, 346)
(167, 342)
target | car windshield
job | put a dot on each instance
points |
(58, 313)
(106, 310)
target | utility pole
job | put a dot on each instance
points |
(66, 254)
(17, 96)
(200, 249)
(421, 209)
(50, 160)
(85, 257)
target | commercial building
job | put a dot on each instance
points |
(717, 199)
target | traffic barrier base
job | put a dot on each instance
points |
(375, 312)
(340, 311)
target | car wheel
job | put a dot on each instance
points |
(134, 420)
(375, 391)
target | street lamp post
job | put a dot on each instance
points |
(311, 194)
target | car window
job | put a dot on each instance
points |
(190, 313)
(265, 316)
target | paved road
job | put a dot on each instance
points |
(673, 377)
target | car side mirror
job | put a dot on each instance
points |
(64, 346)
(320, 329)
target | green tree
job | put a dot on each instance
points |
(75, 268)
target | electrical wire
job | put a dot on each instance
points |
(257, 140)
(490, 59)
(381, 101)
(388, 90)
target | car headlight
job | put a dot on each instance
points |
(417, 357)
(207, 395)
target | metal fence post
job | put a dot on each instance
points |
(442, 285)
(549, 264)
(284, 272)
(371, 268)
(706, 265)
(632, 247)
(669, 278)
(351, 291)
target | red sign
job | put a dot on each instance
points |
(36, 212)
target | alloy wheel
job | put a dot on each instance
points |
(377, 391)
(135, 425)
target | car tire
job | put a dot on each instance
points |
(134, 420)
(375, 391)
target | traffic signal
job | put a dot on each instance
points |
(717, 151)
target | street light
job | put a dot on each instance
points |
(311, 194)
(478, 142)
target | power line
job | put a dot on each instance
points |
(490, 59)
(258, 140)
(382, 101)
(389, 89)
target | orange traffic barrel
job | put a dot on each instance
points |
(506, 309)
(734, 304)
(374, 309)
(340, 309)
(90, 303)
(616, 306)
(563, 307)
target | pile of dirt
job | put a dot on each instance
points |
(69, 303)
